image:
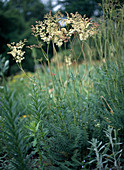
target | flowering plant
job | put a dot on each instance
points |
(50, 30)
(16, 50)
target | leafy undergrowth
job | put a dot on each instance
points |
(51, 128)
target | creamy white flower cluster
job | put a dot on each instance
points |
(80, 25)
(68, 60)
(50, 29)
(16, 50)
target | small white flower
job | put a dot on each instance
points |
(59, 43)
(68, 60)
(16, 51)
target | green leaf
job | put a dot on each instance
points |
(36, 128)
(34, 142)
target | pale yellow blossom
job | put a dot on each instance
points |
(68, 60)
(16, 50)
(50, 30)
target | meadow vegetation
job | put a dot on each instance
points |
(68, 114)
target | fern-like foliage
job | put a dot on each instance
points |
(65, 141)
(36, 122)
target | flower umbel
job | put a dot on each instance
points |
(50, 29)
(80, 25)
(16, 50)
